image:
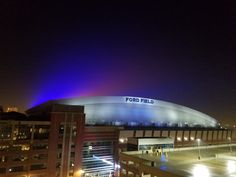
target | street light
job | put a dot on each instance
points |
(198, 145)
(79, 173)
(230, 147)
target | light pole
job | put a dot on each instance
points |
(230, 147)
(198, 145)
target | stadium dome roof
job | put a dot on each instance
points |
(136, 111)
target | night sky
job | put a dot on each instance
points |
(182, 52)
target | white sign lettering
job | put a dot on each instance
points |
(139, 100)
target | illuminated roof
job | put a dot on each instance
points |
(133, 111)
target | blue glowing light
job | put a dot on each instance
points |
(163, 167)
(163, 158)
(75, 71)
(76, 76)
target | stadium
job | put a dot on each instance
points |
(136, 111)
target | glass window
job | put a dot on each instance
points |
(98, 157)
(22, 132)
(41, 131)
(16, 169)
(5, 131)
(2, 170)
(38, 167)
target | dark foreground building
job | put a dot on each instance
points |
(83, 137)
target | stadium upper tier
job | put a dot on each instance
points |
(136, 111)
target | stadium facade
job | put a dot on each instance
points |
(135, 111)
(83, 137)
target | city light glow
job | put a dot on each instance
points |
(102, 159)
(231, 166)
(79, 172)
(122, 140)
(200, 170)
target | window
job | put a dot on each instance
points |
(39, 156)
(22, 132)
(41, 131)
(5, 131)
(38, 167)
(39, 146)
(16, 169)
(20, 158)
(2, 170)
